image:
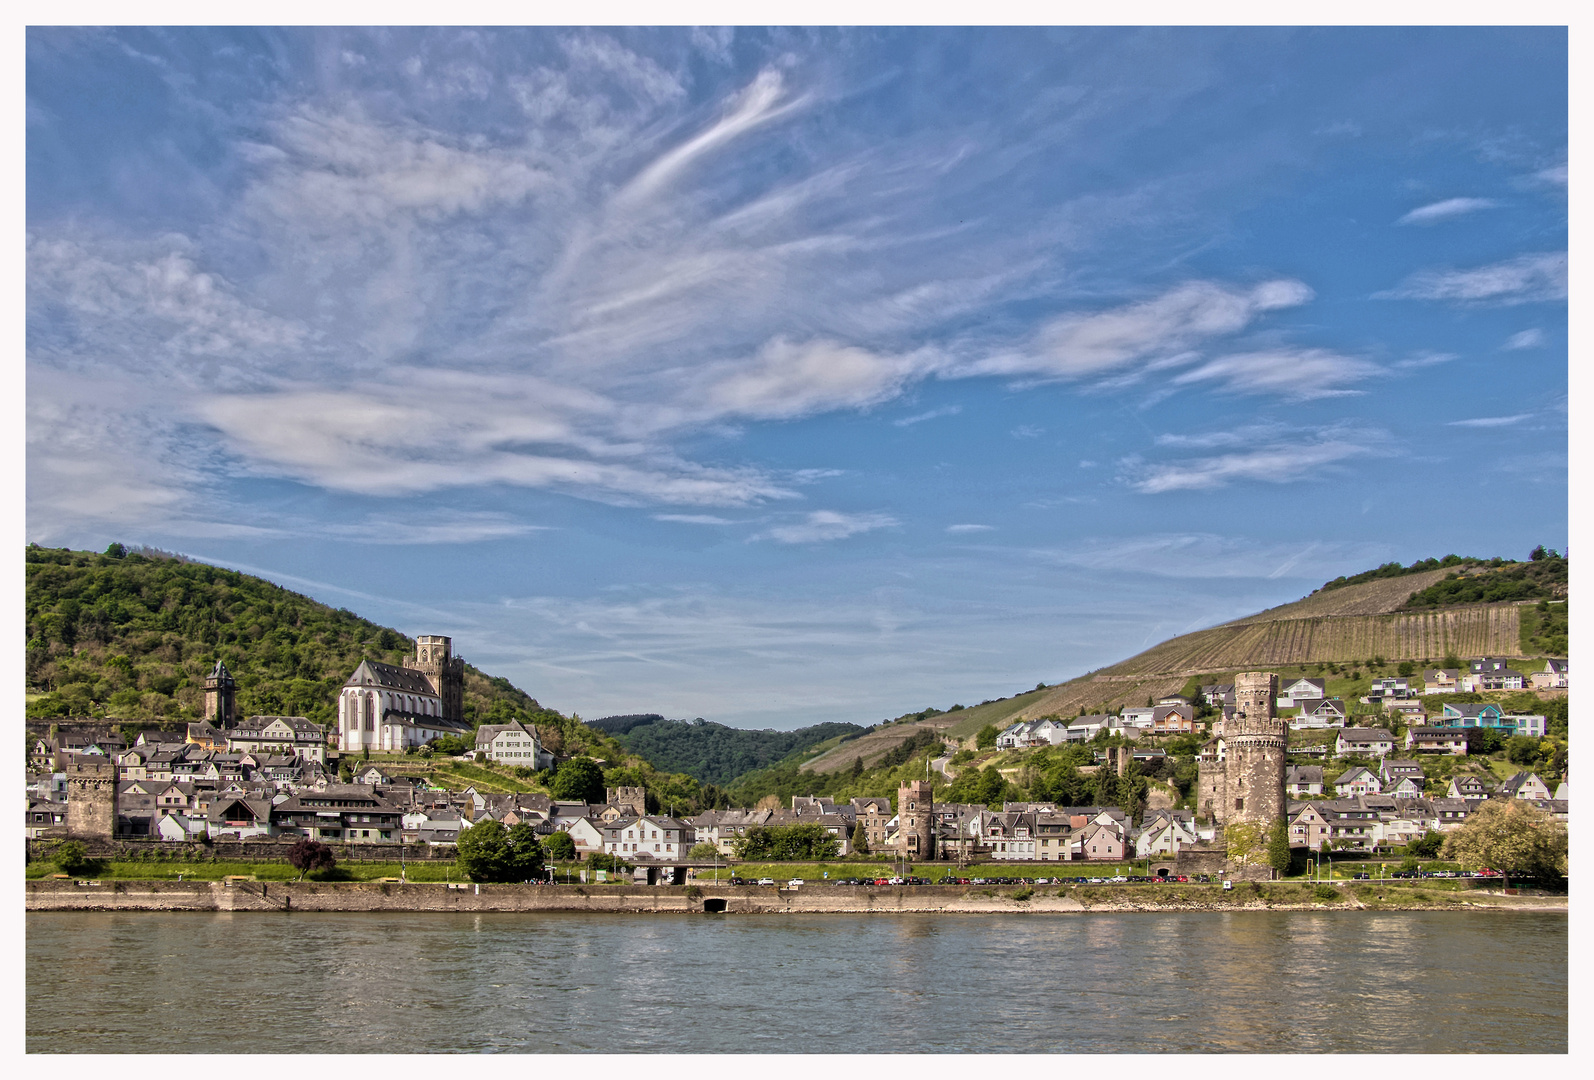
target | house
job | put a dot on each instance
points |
(1319, 713)
(1452, 813)
(1086, 728)
(1290, 696)
(1393, 770)
(1436, 740)
(372, 774)
(1553, 677)
(1470, 715)
(1103, 840)
(513, 744)
(1216, 694)
(1491, 679)
(648, 837)
(1357, 781)
(1301, 780)
(204, 735)
(1164, 832)
(1412, 712)
(1010, 836)
(1375, 741)
(1524, 785)
(1396, 687)
(350, 812)
(1177, 719)
(1309, 826)
(1468, 787)
(1139, 717)
(1524, 724)
(240, 817)
(1440, 680)
(295, 736)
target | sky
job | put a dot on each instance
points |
(784, 376)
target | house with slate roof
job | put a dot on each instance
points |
(1553, 677)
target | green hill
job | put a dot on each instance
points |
(713, 752)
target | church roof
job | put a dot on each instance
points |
(388, 677)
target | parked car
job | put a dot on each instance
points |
(795, 882)
(766, 881)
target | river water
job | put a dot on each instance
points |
(1277, 982)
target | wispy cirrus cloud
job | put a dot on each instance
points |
(970, 528)
(1525, 339)
(1294, 374)
(932, 414)
(1524, 279)
(821, 526)
(1490, 421)
(1276, 460)
(694, 519)
(1444, 210)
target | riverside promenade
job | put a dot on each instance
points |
(280, 896)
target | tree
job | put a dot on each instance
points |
(1244, 840)
(579, 779)
(1278, 846)
(72, 858)
(705, 850)
(783, 843)
(488, 852)
(857, 766)
(1482, 740)
(985, 738)
(309, 855)
(1522, 750)
(1427, 845)
(117, 551)
(560, 847)
(1407, 668)
(1511, 836)
(860, 839)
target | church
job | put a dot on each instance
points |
(389, 709)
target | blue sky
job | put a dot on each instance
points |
(785, 376)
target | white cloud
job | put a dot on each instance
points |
(1027, 431)
(1445, 210)
(694, 519)
(1205, 555)
(933, 414)
(1555, 175)
(1490, 421)
(1279, 462)
(787, 379)
(1424, 360)
(823, 525)
(1078, 346)
(1524, 279)
(1525, 339)
(970, 528)
(1296, 374)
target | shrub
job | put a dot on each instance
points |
(1023, 894)
(308, 855)
(1326, 893)
(72, 858)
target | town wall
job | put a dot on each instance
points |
(91, 800)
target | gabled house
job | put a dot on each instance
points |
(1164, 832)
(1216, 694)
(1319, 713)
(1357, 781)
(1392, 687)
(1309, 826)
(1524, 785)
(1303, 780)
(1301, 689)
(1469, 787)
(1173, 720)
(661, 839)
(1553, 677)
(293, 736)
(1393, 770)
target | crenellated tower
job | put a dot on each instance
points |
(434, 658)
(1255, 743)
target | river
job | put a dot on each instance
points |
(1274, 982)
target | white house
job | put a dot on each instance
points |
(1319, 713)
(1357, 781)
(648, 837)
(1164, 834)
(295, 736)
(1374, 741)
(1553, 677)
(1440, 680)
(1290, 696)
(513, 744)
(1139, 717)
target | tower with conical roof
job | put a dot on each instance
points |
(221, 697)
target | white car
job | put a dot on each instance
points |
(766, 881)
(794, 883)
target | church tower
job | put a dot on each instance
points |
(1255, 743)
(221, 697)
(434, 658)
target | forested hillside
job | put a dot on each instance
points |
(133, 635)
(713, 752)
(1543, 578)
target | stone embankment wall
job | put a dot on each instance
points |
(63, 895)
(227, 850)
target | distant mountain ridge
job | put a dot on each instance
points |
(713, 753)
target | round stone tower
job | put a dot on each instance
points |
(1255, 742)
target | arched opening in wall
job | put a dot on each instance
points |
(714, 905)
(1163, 871)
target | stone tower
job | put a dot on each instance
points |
(1255, 742)
(434, 658)
(916, 820)
(91, 800)
(221, 697)
(634, 799)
